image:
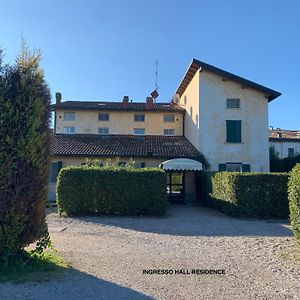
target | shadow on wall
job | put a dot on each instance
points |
(72, 285)
(184, 220)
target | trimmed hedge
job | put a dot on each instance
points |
(248, 194)
(294, 200)
(111, 191)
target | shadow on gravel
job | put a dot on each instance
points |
(73, 285)
(186, 220)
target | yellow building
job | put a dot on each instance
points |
(147, 133)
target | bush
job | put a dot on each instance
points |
(115, 191)
(294, 200)
(248, 194)
(24, 148)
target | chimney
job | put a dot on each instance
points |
(125, 101)
(58, 98)
(149, 102)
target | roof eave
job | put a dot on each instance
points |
(269, 93)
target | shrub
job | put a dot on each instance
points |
(248, 194)
(111, 190)
(294, 200)
(24, 147)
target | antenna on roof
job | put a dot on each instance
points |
(156, 74)
(155, 94)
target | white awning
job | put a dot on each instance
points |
(181, 164)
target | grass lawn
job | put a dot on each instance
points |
(34, 268)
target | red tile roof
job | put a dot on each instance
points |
(280, 135)
(131, 106)
(93, 145)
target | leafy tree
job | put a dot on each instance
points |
(24, 150)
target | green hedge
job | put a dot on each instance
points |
(111, 191)
(294, 200)
(248, 194)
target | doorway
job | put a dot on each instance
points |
(175, 186)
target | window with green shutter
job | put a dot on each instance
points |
(222, 167)
(233, 131)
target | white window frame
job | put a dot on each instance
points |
(135, 130)
(138, 116)
(168, 133)
(104, 129)
(69, 130)
(67, 115)
(169, 118)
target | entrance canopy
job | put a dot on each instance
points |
(181, 164)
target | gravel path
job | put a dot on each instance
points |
(109, 254)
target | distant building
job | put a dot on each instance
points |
(286, 143)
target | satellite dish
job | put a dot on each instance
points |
(176, 99)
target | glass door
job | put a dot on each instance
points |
(175, 186)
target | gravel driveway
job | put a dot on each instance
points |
(109, 254)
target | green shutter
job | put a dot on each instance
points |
(59, 166)
(245, 168)
(238, 131)
(233, 131)
(230, 131)
(222, 167)
(54, 168)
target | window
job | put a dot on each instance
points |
(233, 103)
(139, 118)
(55, 168)
(69, 116)
(234, 167)
(169, 118)
(103, 130)
(169, 131)
(291, 152)
(139, 131)
(140, 165)
(69, 130)
(233, 131)
(103, 117)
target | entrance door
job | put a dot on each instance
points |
(175, 186)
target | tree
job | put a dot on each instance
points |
(24, 151)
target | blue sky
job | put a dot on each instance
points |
(102, 50)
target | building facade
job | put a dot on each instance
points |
(214, 113)
(286, 143)
(226, 118)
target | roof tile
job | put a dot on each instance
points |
(94, 145)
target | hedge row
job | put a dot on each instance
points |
(248, 194)
(113, 191)
(294, 200)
